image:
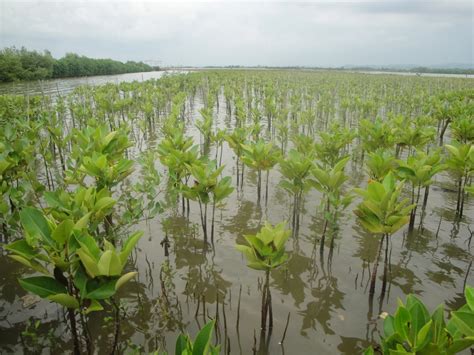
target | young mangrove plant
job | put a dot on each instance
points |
(296, 170)
(419, 169)
(77, 273)
(100, 154)
(260, 156)
(329, 182)
(141, 201)
(236, 140)
(201, 345)
(461, 163)
(380, 163)
(282, 130)
(447, 108)
(383, 213)
(205, 127)
(177, 153)
(462, 129)
(207, 187)
(18, 179)
(412, 330)
(414, 133)
(266, 251)
(218, 138)
(375, 135)
(333, 145)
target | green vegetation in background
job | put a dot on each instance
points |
(22, 64)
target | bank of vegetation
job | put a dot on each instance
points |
(23, 64)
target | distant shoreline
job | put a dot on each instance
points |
(462, 73)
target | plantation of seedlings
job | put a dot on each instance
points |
(238, 212)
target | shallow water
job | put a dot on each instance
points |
(326, 297)
(65, 86)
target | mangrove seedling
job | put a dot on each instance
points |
(207, 187)
(380, 163)
(419, 170)
(260, 156)
(383, 213)
(77, 273)
(329, 182)
(412, 330)
(296, 170)
(266, 251)
(236, 140)
(205, 126)
(461, 163)
(100, 154)
(201, 345)
(333, 145)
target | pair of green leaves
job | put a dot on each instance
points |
(260, 155)
(296, 169)
(420, 168)
(201, 345)
(207, 184)
(266, 249)
(381, 211)
(108, 262)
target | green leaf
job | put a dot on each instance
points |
(405, 172)
(89, 244)
(21, 247)
(464, 321)
(376, 191)
(89, 263)
(388, 326)
(419, 316)
(129, 245)
(401, 318)
(63, 231)
(95, 306)
(82, 223)
(65, 300)
(35, 224)
(201, 344)
(422, 337)
(124, 279)
(104, 203)
(469, 293)
(53, 200)
(100, 290)
(42, 286)
(439, 334)
(460, 344)
(109, 264)
(80, 281)
(30, 263)
(181, 344)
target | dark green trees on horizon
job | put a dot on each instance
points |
(23, 64)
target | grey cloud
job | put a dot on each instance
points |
(248, 33)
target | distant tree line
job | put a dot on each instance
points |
(22, 64)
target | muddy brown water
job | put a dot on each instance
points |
(327, 298)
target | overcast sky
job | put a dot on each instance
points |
(314, 33)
